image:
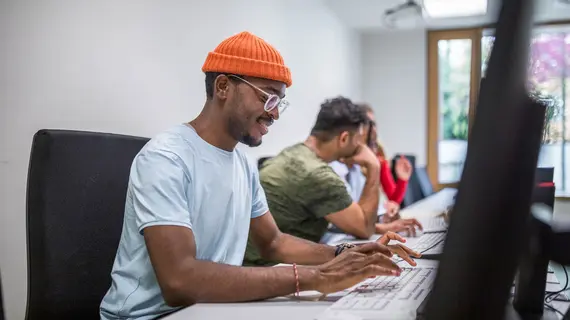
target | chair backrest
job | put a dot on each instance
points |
(76, 191)
(424, 181)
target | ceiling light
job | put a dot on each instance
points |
(407, 15)
(454, 8)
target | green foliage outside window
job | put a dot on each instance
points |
(455, 78)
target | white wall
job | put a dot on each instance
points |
(394, 82)
(133, 67)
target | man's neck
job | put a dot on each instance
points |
(321, 149)
(212, 130)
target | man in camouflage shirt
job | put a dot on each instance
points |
(305, 194)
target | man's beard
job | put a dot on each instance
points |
(239, 132)
(249, 140)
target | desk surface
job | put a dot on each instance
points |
(431, 206)
(283, 308)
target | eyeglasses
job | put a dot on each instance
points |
(272, 101)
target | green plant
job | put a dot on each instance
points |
(455, 118)
(552, 105)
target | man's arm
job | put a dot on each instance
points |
(185, 280)
(370, 197)
(274, 245)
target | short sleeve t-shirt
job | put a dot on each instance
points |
(301, 190)
(178, 179)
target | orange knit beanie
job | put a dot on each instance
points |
(248, 55)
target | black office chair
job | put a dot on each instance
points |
(77, 184)
(424, 181)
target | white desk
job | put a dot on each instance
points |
(431, 206)
(285, 309)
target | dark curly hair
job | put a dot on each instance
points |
(337, 115)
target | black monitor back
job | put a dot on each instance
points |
(493, 201)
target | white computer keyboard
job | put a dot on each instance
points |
(427, 242)
(434, 224)
(385, 297)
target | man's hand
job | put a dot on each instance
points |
(403, 168)
(374, 140)
(399, 249)
(353, 266)
(365, 157)
(392, 212)
(402, 225)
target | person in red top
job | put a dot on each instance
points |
(394, 190)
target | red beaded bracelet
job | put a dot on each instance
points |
(296, 279)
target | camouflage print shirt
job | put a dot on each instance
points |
(301, 189)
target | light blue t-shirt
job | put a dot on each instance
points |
(179, 179)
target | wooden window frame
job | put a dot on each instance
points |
(475, 34)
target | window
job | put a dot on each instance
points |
(548, 80)
(453, 82)
(456, 62)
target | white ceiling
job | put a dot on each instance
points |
(366, 15)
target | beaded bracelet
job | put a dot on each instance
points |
(296, 279)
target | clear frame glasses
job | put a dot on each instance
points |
(272, 101)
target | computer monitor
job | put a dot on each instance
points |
(487, 228)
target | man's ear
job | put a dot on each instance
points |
(343, 137)
(221, 86)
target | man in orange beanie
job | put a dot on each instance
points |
(193, 198)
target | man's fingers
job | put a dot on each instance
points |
(418, 224)
(391, 236)
(406, 257)
(410, 230)
(403, 253)
(412, 224)
(409, 251)
(412, 221)
(374, 271)
(383, 261)
(373, 247)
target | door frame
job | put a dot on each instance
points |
(433, 38)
